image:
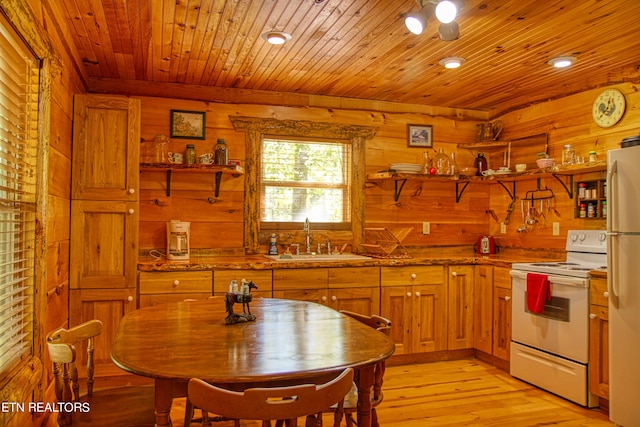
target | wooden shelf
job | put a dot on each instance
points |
(462, 182)
(169, 169)
(486, 145)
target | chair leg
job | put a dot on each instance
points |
(188, 413)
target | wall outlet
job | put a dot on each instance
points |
(503, 228)
(556, 228)
(426, 228)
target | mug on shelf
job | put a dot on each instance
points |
(175, 158)
(206, 159)
(521, 167)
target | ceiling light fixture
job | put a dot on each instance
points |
(562, 61)
(276, 37)
(444, 10)
(452, 62)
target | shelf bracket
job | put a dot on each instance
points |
(459, 190)
(398, 191)
(510, 192)
(168, 182)
(218, 179)
(568, 189)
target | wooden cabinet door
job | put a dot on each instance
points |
(429, 308)
(104, 244)
(460, 307)
(396, 306)
(108, 306)
(483, 309)
(599, 351)
(106, 148)
(359, 300)
(501, 322)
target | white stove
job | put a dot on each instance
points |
(550, 348)
(586, 251)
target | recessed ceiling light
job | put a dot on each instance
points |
(452, 62)
(276, 37)
(562, 61)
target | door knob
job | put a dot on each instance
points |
(176, 282)
(592, 316)
(131, 211)
(132, 190)
(454, 274)
(507, 298)
(417, 294)
(413, 276)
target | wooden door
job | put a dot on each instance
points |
(108, 306)
(483, 309)
(501, 322)
(396, 305)
(106, 148)
(460, 307)
(359, 300)
(104, 244)
(429, 307)
(599, 351)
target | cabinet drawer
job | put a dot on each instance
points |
(155, 299)
(176, 282)
(354, 277)
(300, 278)
(412, 275)
(501, 277)
(222, 278)
(597, 290)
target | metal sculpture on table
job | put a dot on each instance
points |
(243, 297)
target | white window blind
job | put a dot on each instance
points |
(305, 179)
(18, 144)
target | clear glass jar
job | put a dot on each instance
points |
(426, 162)
(453, 169)
(568, 155)
(221, 153)
(190, 155)
(593, 156)
(160, 149)
(442, 163)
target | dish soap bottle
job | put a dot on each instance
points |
(273, 248)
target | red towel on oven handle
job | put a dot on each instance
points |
(538, 292)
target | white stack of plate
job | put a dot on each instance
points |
(407, 167)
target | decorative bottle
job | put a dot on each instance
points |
(221, 153)
(190, 155)
(481, 163)
(453, 170)
(442, 163)
(273, 247)
(568, 155)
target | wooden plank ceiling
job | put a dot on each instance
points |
(361, 48)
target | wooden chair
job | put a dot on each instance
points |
(274, 403)
(123, 406)
(348, 406)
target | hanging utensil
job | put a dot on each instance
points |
(510, 209)
(523, 227)
(542, 215)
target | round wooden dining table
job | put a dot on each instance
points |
(290, 342)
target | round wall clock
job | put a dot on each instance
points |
(608, 108)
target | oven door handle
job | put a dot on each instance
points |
(554, 279)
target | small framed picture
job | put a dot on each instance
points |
(187, 124)
(420, 136)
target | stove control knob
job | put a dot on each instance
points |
(573, 237)
(582, 237)
(602, 237)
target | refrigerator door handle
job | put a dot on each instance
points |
(612, 190)
(614, 296)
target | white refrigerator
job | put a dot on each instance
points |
(623, 266)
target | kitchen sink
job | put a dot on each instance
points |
(317, 258)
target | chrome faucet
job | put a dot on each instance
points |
(307, 229)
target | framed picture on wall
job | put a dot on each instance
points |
(420, 136)
(187, 124)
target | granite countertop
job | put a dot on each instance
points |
(259, 262)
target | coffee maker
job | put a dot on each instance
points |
(178, 240)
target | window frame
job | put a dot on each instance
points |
(294, 225)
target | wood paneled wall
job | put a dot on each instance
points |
(220, 224)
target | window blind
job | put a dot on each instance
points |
(305, 179)
(19, 84)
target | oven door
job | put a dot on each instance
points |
(563, 327)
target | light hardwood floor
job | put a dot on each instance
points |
(460, 393)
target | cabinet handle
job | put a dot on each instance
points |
(454, 274)
(131, 211)
(507, 298)
(409, 294)
(334, 298)
(132, 190)
(413, 276)
(130, 298)
(592, 316)
(176, 282)
(606, 294)
(417, 294)
(324, 299)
